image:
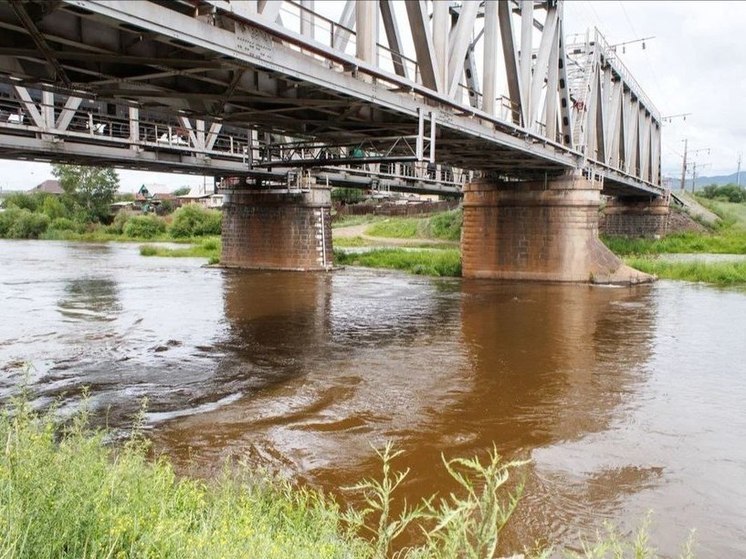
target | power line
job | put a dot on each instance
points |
(647, 56)
(595, 14)
(626, 15)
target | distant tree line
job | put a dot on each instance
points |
(727, 192)
(84, 210)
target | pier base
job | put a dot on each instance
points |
(277, 230)
(538, 230)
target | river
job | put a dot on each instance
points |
(624, 399)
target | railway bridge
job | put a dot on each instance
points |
(286, 98)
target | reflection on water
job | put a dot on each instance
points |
(624, 399)
(90, 299)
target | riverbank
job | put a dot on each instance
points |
(209, 248)
(727, 236)
(440, 233)
(68, 493)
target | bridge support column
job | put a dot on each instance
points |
(540, 230)
(635, 217)
(277, 230)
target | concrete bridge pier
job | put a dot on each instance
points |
(277, 229)
(543, 230)
(636, 217)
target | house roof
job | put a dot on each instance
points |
(50, 186)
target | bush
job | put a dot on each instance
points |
(196, 221)
(347, 195)
(53, 208)
(22, 224)
(65, 224)
(120, 220)
(729, 192)
(446, 225)
(23, 201)
(144, 226)
(7, 218)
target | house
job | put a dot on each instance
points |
(155, 198)
(49, 186)
(201, 195)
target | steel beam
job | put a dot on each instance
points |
(459, 43)
(490, 57)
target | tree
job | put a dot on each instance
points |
(90, 190)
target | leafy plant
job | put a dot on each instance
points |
(144, 226)
(193, 220)
(22, 224)
(90, 190)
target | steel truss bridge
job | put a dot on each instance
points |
(409, 95)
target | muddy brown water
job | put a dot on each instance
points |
(624, 399)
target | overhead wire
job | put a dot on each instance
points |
(645, 52)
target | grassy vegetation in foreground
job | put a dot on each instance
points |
(65, 493)
(721, 273)
(206, 248)
(435, 262)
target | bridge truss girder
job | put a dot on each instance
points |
(246, 63)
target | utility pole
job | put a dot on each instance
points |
(694, 173)
(683, 167)
(738, 173)
(694, 176)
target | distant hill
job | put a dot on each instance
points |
(674, 182)
(719, 180)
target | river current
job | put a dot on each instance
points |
(624, 400)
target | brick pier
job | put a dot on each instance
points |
(539, 230)
(635, 217)
(277, 230)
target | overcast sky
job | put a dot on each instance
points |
(695, 64)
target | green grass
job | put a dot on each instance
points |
(728, 238)
(720, 273)
(205, 248)
(443, 226)
(69, 495)
(446, 225)
(351, 220)
(397, 228)
(345, 242)
(101, 234)
(733, 215)
(438, 262)
(66, 493)
(728, 242)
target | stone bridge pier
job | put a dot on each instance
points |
(631, 216)
(277, 229)
(543, 230)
